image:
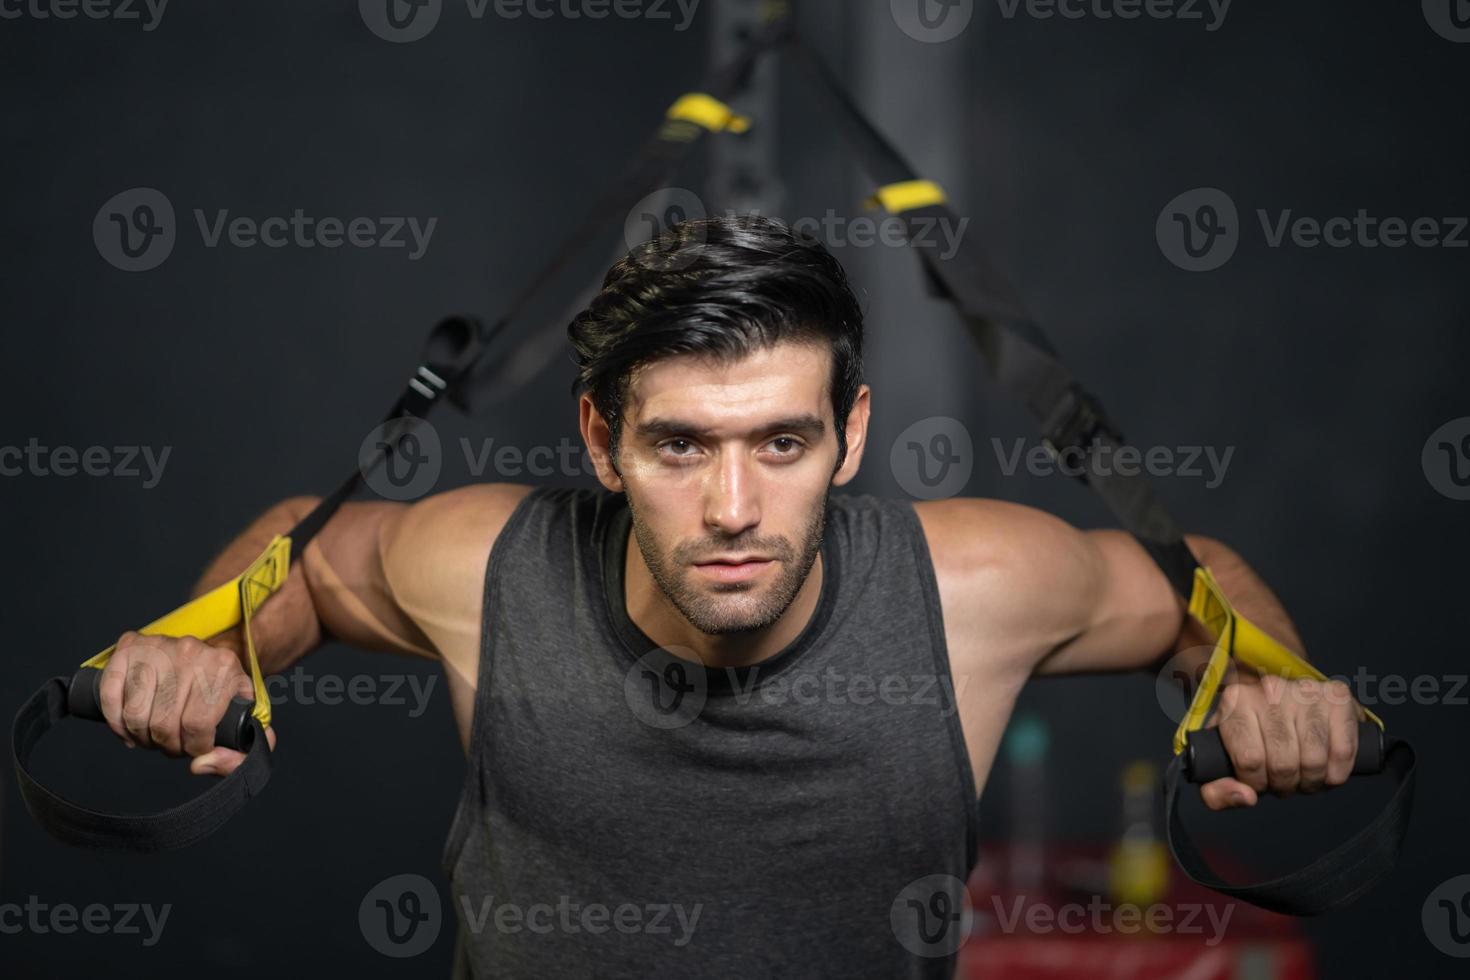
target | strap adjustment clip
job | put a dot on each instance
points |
(424, 388)
(1077, 423)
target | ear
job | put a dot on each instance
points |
(857, 437)
(598, 439)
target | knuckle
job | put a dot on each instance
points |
(1281, 771)
(1249, 760)
(1338, 692)
(1272, 687)
(195, 726)
(157, 730)
(1230, 698)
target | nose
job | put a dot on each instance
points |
(732, 499)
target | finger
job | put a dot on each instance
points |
(1342, 726)
(222, 762)
(138, 685)
(170, 692)
(1278, 726)
(1226, 794)
(1240, 731)
(1312, 737)
(110, 694)
(215, 673)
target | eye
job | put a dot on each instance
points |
(786, 445)
(676, 448)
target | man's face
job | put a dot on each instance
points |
(727, 469)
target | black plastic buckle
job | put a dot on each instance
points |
(1078, 423)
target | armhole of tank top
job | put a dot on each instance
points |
(484, 671)
(930, 585)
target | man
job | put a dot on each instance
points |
(720, 722)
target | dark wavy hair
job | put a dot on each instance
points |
(724, 288)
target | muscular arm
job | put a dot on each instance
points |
(1057, 600)
(383, 576)
(1026, 594)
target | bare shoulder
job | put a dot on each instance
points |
(1001, 567)
(434, 556)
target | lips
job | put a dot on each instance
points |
(734, 569)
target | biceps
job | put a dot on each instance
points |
(1132, 616)
(345, 573)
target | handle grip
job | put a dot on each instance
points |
(234, 731)
(1205, 758)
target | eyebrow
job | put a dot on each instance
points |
(807, 425)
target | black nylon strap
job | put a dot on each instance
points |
(165, 830)
(1335, 878)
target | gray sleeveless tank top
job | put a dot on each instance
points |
(629, 813)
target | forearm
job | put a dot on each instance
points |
(1246, 591)
(286, 627)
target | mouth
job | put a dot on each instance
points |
(736, 569)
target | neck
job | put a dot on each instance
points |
(660, 620)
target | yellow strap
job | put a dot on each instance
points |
(906, 195)
(709, 112)
(224, 608)
(1239, 637)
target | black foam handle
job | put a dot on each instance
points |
(234, 731)
(1205, 758)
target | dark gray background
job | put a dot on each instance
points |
(263, 369)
